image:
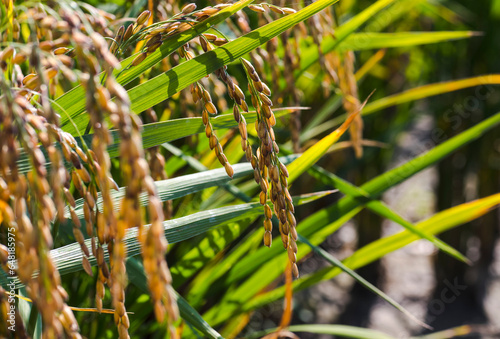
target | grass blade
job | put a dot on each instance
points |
(438, 223)
(343, 331)
(67, 259)
(137, 277)
(337, 263)
(174, 188)
(383, 210)
(364, 41)
(430, 90)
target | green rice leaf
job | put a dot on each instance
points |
(438, 223)
(136, 274)
(343, 331)
(369, 40)
(383, 210)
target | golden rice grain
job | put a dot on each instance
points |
(229, 169)
(153, 47)
(7, 53)
(210, 10)
(61, 50)
(265, 100)
(19, 59)
(205, 117)
(128, 33)
(268, 238)
(188, 8)
(210, 107)
(138, 59)
(210, 37)
(262, 198)
(257, 8)
(86, 266)
(276, 9)
(291, 255)
(220, 42)
(143, 17)
(288, 10)
(236, 113)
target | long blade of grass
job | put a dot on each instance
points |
(438, 223)
(337, 263)
(364, 41)
(168, 189)
(136, 274)
(431, 90)
(382, 209)
(174, 188)
(67, 259)
(343, 331)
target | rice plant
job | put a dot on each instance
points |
(143, 144)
